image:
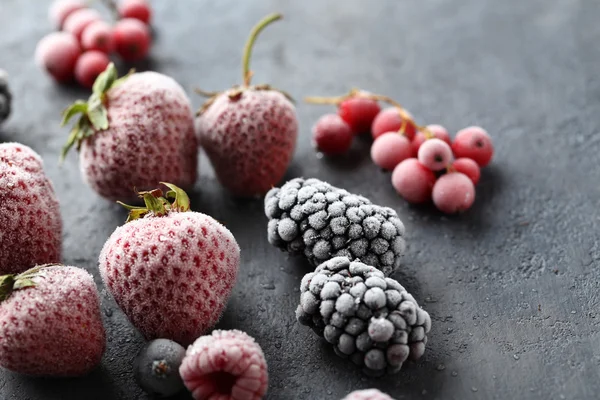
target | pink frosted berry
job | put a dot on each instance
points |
(30, 221)
(61, 9)
(438, 131)
(453, 192)
(98, 36)
(435, 154)
(367, 394)
(389, 120)
(390, 149)
(77, 21)
(467, 167)
(138, 9)
(474, 143)
(226, 365)
(413, 181)
(57, 54)
(132, 39)
(91, 64)
(332, 135)
(53, 327)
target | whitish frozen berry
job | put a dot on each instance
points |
(98, 36)
(132, 39)
(332, 135)
(438, 131)
(57, 54)
(61, 9)
(389, 120)
(138, 9)
(435, 154)
(390, 149)
(413, 181)
(367, 394)
(156, 368)
(91, 64)
(225, 365)
(468, 167)
(77, 21)
(474, 143)
(453, 192)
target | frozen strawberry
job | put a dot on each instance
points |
(134, 132)
(31, 230)
(50, 322)
(169, 269)
(249, 132)
(226, 365)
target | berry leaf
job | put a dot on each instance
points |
(105, 80)
(79, 107)
(97, 113)
(181, 200)
(6, 286)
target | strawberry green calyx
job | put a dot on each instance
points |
(93, 115)
(12, 282)
(158, 204)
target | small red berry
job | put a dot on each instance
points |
(359, 112)
(413, 181)
(435, 154)
(390, 149)
(98, 36)
(91, 64)
(332, 135)
(467, 167)
(389, 120)
(77, 21)
(474, 143)
(132, 39)
(61, 9)
(138, 9)
(438, 131)
(453, 192)
(57, 53)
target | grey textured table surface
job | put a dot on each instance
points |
(512, 285)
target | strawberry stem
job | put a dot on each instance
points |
(158, 204)
(11, 282)
(246, 73)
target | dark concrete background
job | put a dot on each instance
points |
(512, 285)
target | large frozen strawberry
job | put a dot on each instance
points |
(50, 322)
(171, 270)
(249, 132)
(30, 223)
(134, 132)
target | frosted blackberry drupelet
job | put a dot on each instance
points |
(367, 317)
(311, 217)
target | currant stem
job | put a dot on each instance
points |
(324, 100)
(112, 6)
(246, 74)
(406, 118)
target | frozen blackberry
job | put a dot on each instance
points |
(367, 317)
(311, 217)
(5, 97)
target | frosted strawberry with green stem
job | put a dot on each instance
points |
(248, 132)
(133, 132)
(170, 269)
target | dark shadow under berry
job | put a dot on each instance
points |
(224, 381)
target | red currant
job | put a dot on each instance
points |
(138, 9)
(61, 9)
(413, 181)
(438, 131)
(77, 21)
(359, 112)
(390, 120)
(132, 39)
(98, 36)
(474, 143)
(453, 192)
(435, 154)
(332, 135)
(91, 64)
(467, 167)
(57, 53)
(390, 149)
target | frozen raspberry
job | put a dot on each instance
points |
(467, 167)
(249, 132)
(225, 365)
(170, 270)
(474, 143)
(367, 394)
(132, 39)
(156, 368)
(435, 154)
(438, 131)
(57, 54)
(390, 149)
(332, 135)
(368, 318)
(98, 36)
(313, 218)
(5, 97)
(91, 64)
(453, 192)
(389, 120)
(77, 21)
(61, 9)
(29, 211)
(138, 9)
(359, 112)
(413, 181)
(50, 322)
(146, 137)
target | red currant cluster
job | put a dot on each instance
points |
(426, 163)
(82, 47)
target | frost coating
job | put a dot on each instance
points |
(364, 315)
(318, 220)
